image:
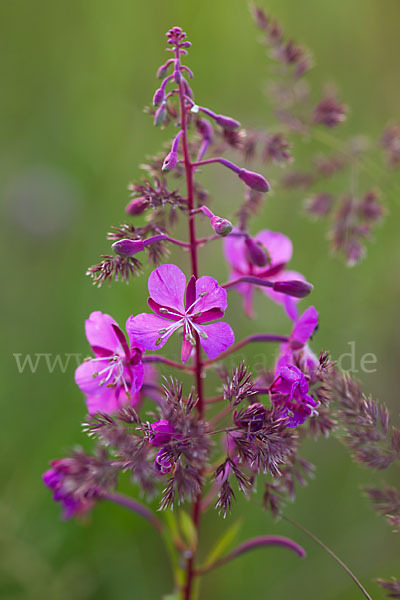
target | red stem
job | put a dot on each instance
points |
(190, 569)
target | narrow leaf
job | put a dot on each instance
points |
(223, 544)
(188, 530)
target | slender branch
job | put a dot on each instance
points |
(259, 337)
(134, 506)
(165, 238)
(214, 399)
(156, 358)
(249, 279)
(295, 287)
(227, 163)
(330, 552)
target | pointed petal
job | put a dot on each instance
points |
(219, 337)
(121, 338)
(291, 309)
(167, 286)
(214, 295)
(190, 292)
(209, 315)
(145, 329)
(304, 328)
(171, 315)
(186, 350)
(99, 331)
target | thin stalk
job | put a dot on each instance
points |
(198, 368)
(157, 358)
(331, 553)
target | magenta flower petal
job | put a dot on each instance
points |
(214, 295)
(290, 305)
(219, 337)
(278, 246)
(304, 328)
(190, 292)
(100, 333)
(164, 311)
(104, 401)
(86, 376)
(167, 286)
(146, 330)
(186, 350)
(209, 315)
(235, 253)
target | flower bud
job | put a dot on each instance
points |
(160, 115)
(226, 122)
(162, 432)
(137, 206)
(296, 288)
(158, 97)
(170, 162)
(162, 71)
(254, 180)
(221, 226)
(127, 247)
(256, 253)
(163, 462)
(205, 129)
(177, 76)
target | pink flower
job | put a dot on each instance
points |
(204, 302)
(296, 350)
(115, 375)
(278, 249)
(289, 392)
(57, 479)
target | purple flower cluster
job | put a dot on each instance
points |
(169, 440)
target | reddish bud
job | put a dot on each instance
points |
(254, 180)
(226, 122)
(170, 161)
(137, 206)
(256, 253)
(221, 226)
(160, 115)
(163, 71)
(158, 97)
(128, 247)
(296, 288)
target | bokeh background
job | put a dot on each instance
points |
(75, 78)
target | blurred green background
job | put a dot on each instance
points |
(75, 78)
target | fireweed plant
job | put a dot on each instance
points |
(172, 440)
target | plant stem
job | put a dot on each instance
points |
(190, 562)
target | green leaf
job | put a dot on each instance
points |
(188, 530)
(173, 596)
(227, 538)
(174, 545)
